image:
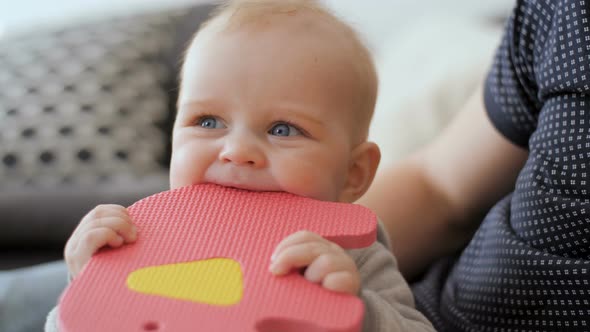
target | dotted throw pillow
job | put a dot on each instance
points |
(87, 103)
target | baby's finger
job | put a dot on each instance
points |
(297, 256)
(88, 244)
(123, 227)
(327, 263)
(107, 210)
(295, 239)
(97, 238)
(101, 211)
(343, 282)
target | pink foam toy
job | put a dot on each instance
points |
(202, 223)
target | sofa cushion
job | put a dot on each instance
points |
(85, 118)
(82, 103)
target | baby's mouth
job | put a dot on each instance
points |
(237, 186)
(243, 186)
(234, 178)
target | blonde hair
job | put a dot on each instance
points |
(234, 14)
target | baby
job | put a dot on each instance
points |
(278, 95)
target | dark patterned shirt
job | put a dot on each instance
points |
(528, 266)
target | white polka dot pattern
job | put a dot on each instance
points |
(528, 266)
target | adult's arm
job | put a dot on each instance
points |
(432, 202)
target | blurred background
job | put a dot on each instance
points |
(87, 91)
(430, 54)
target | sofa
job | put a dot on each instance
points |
(86, 112)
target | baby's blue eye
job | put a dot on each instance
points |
(284, 129)
(210, 122)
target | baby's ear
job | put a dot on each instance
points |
(361, 171)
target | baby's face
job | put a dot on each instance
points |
(267, 111)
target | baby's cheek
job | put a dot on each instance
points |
(185, 167)
(312, 182)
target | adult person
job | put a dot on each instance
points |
(505, 188)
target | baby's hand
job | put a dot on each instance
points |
(103, 225)
(327, 263)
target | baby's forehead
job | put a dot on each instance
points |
(239, 14)
(316, 32)
(304, 40)
(300, 27)
(302, 20)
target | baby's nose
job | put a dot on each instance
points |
(243, 152)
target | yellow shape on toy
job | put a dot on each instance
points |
(215, 281)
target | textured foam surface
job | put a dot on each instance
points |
(205, 229)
